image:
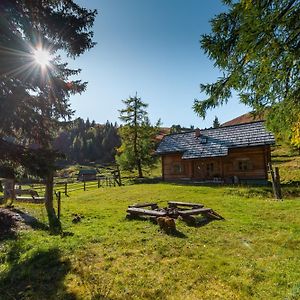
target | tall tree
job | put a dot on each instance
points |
(257, 46)
(137, 136)
(216, 123)
(34, 83)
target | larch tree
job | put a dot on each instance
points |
(216, 123)
(137, 136)
(34, 82)
(256, 44)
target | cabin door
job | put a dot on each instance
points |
(199, 168)
(204, 169)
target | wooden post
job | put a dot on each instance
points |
(106, 181)
(119, 176)
(98, 183)
(66, 188)
(277, 180)
(58, 204)
(275, 185)
(84, 187)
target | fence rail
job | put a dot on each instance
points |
(68, 185)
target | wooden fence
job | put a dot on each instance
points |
(102, 181)
(71, 184)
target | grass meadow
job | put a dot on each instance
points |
(253, 254)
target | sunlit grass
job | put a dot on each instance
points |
(253, 254)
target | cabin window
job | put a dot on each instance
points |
(244, 165)
(203, 140)
(178, 168)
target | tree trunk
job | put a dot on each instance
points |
(139, 165)
(54, 223)
(9, 191)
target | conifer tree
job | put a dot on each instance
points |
(216, 123)
(34, 82)
(256, 46)
(137, 136)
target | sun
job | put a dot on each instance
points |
(42, 57)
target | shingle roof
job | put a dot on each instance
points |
(87, 172)
(216, 141)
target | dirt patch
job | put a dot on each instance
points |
(12, 220)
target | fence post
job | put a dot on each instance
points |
(84, 184)
(277, 180)
(58, 204)
(119, 176)
(98, 183)
(66, 188)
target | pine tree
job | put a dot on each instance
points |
(35, 86)
(137, 136)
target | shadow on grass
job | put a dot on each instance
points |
(175, 233)
(41, 276)
(178, 234)
(30, 220)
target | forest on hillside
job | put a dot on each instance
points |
(84, 141)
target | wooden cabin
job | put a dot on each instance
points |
(230, 154)
(87, 175)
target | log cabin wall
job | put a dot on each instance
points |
(248, 163)
(175, 168)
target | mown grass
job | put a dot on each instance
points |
(253, 254)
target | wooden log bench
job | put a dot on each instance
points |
(207, 212)
(141, 205)
(33, 196)
(30, 199)
(175, 204)
(135, 211)
(30, 192)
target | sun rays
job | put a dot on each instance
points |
(42, 57)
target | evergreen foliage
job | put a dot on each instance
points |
(256, 45)
(178, 128)
(137, 136)
(84, 142)
(35, 98)
(216, 123)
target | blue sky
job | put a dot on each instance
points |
(150, 47)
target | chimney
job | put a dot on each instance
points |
(197, 132)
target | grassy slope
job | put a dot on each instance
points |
(288, 162)
(253, 254)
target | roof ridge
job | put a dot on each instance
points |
(234, 125)
(226, 126)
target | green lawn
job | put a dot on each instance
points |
(253, 254)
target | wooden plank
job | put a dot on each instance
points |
(215, 215)
(21, 198)
(176, 203)
(139, 205)
(140, 211)
(194, 211)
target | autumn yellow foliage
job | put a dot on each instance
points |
(295, 139)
